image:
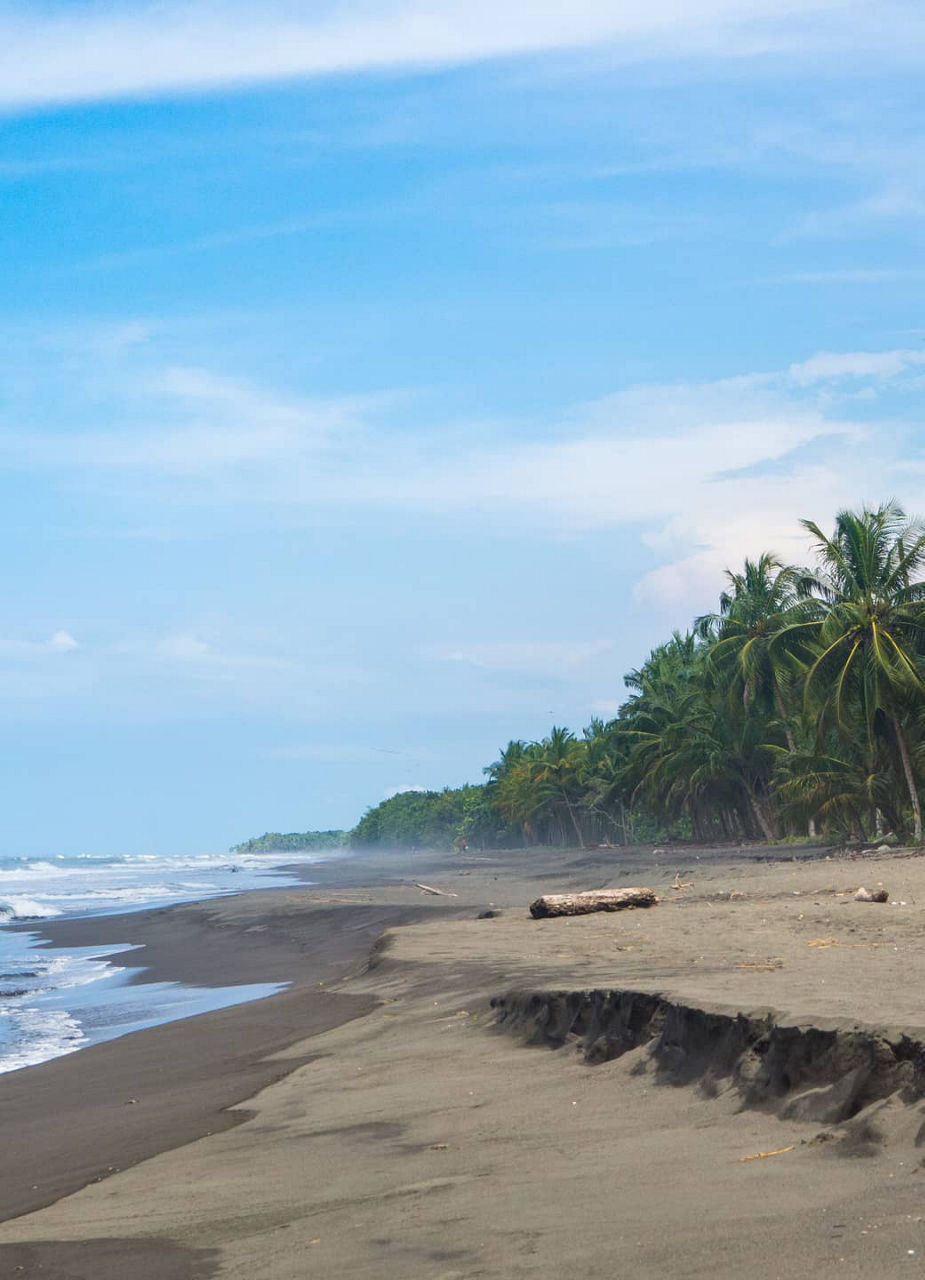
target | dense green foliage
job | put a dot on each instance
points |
(434, 820)
(292, 842)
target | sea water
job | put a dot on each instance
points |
(53, 1000)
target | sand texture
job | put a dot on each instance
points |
(594, 1095)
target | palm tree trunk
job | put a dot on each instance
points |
(761, 818)
(910, 777)
(571, 814)
(782, 712)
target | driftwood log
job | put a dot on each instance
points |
(580, 904)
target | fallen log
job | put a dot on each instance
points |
(579, 904)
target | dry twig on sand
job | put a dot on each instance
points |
(438, 893)
(764, 1155)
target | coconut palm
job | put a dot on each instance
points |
(557, 773)
(759, 604)
(871, 629)
(695, 753)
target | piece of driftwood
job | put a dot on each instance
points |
(438, 893)
(579, 904)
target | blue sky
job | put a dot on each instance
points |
(379, 383)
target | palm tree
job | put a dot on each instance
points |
(846, 787)
(694, 752)
(870, 633)
(557, 772)
(760, 603)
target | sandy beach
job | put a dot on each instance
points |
(726, 1084)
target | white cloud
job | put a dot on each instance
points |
(702, 473)
(854, 364)
(203, 423)
(58, 52)
(190, 650)
(62, 642)
(402, 789)
(59, 642)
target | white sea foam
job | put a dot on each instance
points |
(52, 1001)
(78, 971)
(35, 1035)
(17, 908)
(30, 870)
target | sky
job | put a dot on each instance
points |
(380, 382)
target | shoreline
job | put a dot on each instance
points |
(72, 1120)
(396, 1084)
(306, 936)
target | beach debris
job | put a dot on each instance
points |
(579, 904)
(678, 883)
(490, 914)
(823, 942)
(773, 962)
(865, 895)
(765, 1155)
(438, 893)
(439, 1146)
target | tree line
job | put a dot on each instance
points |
(796, 708)
(292, 842)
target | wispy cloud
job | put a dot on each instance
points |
(204, 658)
(849, 276)
(533, 657)
(204, 423)
(703, 472)
(833, 365)
(57, 52)
(60, 642)
(891, 203)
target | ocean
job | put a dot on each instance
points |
(55, 1001)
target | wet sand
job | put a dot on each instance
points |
(83, 1117)
(423, 1139)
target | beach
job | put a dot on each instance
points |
(440, 1094)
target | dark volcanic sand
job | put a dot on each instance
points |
(69, 1121)
(418, 1145)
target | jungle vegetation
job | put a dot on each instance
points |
(292, 842)
(796, 708)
